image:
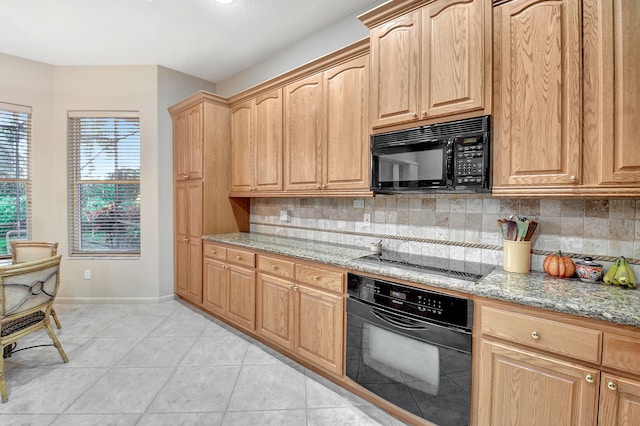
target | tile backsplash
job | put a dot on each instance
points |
(457, 226)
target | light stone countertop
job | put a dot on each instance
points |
(571, 296)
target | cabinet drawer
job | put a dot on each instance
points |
(553, 336)
(241, 257)
(621, 352)
(273, 266)
(215, 252)
(321, 278)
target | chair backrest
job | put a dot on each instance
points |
(28, 251)
(28, 286)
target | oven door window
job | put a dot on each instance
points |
(428, 380)
(414, 166)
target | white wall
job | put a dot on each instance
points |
(343, 33)
(51, 92)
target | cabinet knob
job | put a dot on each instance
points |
(295, 288)
(415, 115)
(424, 113)
(612, 386)
(274, 267)
(590, 378)
(315, 278)
(573, 179)
(185, 177)
(535, 335)
(290, 286)
(318, 186)
(213, 252)
(324, 186)
(225, 267)
(238, 258)
(186, 240)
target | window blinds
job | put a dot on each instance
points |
(104, 180)
(15, 174)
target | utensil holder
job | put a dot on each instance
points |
(517, 256)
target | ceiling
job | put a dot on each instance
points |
(198, 37)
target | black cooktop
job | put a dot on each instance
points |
(450, 268)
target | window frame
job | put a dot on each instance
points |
(7, 110)
(77, 243)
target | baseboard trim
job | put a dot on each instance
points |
(113, 300)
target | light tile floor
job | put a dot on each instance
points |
(167, 364)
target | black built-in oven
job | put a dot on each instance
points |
(411, 347)
(453, 156)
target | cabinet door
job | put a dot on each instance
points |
(303, 133)
(619, 401)
(537, 93)
(242, 296)
(195, 142)
(188, 241)
(267, 142)
(180, 149)
(453, 57)
(215, 287)
(275, 310)
(241, 148)
(346, 148)
(524, 388)
(395, 56)
(320, 328)
(618, 89)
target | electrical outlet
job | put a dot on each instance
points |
(358, 204)
(367, 219)
(285, 216)
(87, 274)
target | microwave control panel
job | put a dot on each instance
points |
(469, 155)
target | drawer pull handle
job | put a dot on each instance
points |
(274, 267)
(535, 335)
(612, 386)
(316, 278)
(590, 378)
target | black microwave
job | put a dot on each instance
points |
(445, 157)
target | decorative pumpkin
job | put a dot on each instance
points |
(559, 266)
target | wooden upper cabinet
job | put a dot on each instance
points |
(537, 93)
(453, 57)
(241, 147)
(303, 133)
(188, 143)
(256, 144)
(431, 62)
(267, 141)
(395, 56)
(612, 89)
(346, 149)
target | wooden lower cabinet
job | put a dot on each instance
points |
(276, 310)
(230, 289)
(619, 401)
(542, 368)
(320, 328)
(303, 311)
(518, 387)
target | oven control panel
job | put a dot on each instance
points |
(423, 304)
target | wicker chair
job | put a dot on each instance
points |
(27, 251)
(27, 291)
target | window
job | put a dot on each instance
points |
(104, 179)
(15, 174)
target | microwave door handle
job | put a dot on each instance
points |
(397, 322)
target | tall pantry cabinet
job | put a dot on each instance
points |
(201, 153)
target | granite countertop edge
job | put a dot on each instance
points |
(571, 296)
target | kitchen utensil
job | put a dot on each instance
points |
(512, 230)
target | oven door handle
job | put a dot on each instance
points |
(397, 321)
